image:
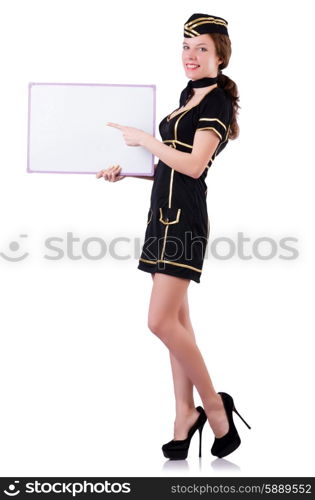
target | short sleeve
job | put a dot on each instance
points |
(215, 114)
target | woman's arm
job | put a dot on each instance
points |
(192, 164)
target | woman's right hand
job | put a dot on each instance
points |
(111, 174)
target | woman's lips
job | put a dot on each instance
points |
(188, 66)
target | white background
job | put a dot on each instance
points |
(86, 388)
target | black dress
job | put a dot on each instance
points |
(178, 227)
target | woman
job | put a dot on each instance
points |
(178, 225)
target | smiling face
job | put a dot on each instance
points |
(199, 57)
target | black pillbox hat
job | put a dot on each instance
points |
(199, 24)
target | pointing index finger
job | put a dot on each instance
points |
(114, 125)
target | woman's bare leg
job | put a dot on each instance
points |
(186, 413)
(166, 298)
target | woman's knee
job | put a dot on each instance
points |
(160, 322)
(160, 325)
(154, 322)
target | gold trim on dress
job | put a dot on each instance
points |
(164, 241)
(171, 189)
(170, 192)
(177, 142)
(166, 222)
(226, 136)
(170, 262)
(212, 120)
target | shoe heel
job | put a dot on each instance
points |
(234, 409)
(177, 449)
(200, 434)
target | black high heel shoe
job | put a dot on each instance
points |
(231, 440)
(177, 449)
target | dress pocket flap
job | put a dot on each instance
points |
(169, 215)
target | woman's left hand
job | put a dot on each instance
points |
(132, 136)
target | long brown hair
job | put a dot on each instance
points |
(224, 50)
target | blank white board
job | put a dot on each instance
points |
(67, 131)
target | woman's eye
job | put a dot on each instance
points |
(186, 46)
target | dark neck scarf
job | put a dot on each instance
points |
(192, 84)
